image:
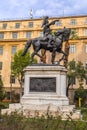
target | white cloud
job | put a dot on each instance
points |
(20, 8)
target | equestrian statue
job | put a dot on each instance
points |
(52, 43)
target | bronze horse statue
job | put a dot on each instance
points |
(59, 37)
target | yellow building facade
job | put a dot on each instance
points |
(15, 33)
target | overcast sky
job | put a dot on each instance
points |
(21, 8)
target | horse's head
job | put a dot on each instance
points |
(66, 34)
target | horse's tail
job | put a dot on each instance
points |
(28, 44)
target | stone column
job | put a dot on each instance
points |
(26, 85)
(63, 85)
(58, 85)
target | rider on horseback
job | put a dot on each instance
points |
(47, 36)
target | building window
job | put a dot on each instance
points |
(30, 24)
(72, 48)
(12, 79)
(1, 35)
(59, 23)
(85, 32)
(17, 25)
(41, 34)
(73, 22)
(0, 65)
(28, 34)
(14, 48)
(86, 48)
(14, 35)
(1, 50)
(4, 26)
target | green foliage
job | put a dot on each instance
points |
(77, 70)
(15, 97)
(20, 62)
(19, 122)
(71, 65)
(71, 72)
(80, 73)
(84, 113)
(13, 121)
(4, 105)
(81, 93)
(74, 35)
(2, 94)
(53, 32)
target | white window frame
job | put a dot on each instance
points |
(41, 34)
(1, 50)
(72, 48)
(30, 24)
(28, 34)
(73, 22)
(59, 23)
(4, 25)
(1, 35)
(14, 49)
(17, 25)
(14, 35)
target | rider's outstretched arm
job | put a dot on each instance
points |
(52, 23)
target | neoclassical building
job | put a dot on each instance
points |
(15, 33)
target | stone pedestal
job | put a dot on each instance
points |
(45, 85)
(44, 92)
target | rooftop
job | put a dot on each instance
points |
(38, 18)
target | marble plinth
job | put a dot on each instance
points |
(44, 90)
(56, 96)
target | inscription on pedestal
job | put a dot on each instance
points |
(41, 84)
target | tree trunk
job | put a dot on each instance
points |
(20, 82)
(67, 89)
(11, 93)
(20, 89)
(66, 50)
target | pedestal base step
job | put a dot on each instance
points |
(34, 99)
(31, 110)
